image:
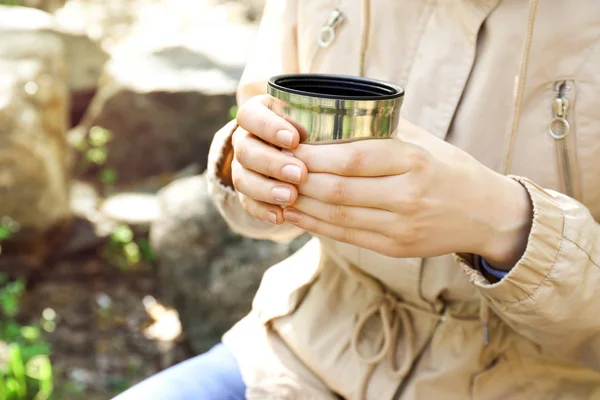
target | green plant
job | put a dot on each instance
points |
(25, 367)
(10, 2)
(233, 110)
(95, 152)
(126, 251)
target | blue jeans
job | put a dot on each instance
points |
(214, 375)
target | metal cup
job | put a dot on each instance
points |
(336, 108)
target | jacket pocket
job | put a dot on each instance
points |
(284, 285)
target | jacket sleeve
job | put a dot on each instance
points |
(552, 295)
(275, 53)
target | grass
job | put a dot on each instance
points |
(25, 367)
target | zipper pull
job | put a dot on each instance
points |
(327, 34)
(559, 127)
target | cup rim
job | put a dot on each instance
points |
(394, 91)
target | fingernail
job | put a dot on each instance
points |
(285, 138)
(273, 217)
(282, 194)
(292, 217)
(292, 173)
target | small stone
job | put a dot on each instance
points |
(132, 208)
(103, 301)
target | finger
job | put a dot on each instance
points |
(357, 237)
(369, 219)
(261, 188)
(376, 192)
(363, 158)
(257, 117)
(256, 155)
(262, 211)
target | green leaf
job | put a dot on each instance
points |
(108, 176)
(48, 326)
(30, 332)
(15, 361)
(122, 234)
(118, 384)
(9, 304)
(146, 249)
(11, 331)
(97, 155)
(12, 388)
(5, 232)
(37, 368)
(132, 253)
(35, 350)
(233, 112)
(99, 136)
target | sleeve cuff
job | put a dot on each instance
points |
(543, 248)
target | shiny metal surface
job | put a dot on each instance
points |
(323, 118)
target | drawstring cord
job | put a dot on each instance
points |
(394, 315)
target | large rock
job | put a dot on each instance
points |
(84, 57)
(166, 91)
(33, 124)
(208, 273)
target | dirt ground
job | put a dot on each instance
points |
(100, 345)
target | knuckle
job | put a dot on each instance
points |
(270, 126)
(338, 214)
(409, 202)
(353, 162)
(348, 236)
(237, 181)
(272, 167)
(247, 111)
(240, 149)
(406, 236)
(419, 158)
(243, 201)
(337, 192)
(237, 175)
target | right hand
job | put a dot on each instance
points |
(264, 176)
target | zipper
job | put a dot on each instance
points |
(326, 35)
(561, 129)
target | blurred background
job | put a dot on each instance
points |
(114, 264)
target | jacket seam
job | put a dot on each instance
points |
(589, 256)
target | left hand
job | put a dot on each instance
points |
(414, 197)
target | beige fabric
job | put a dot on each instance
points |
(308, 336)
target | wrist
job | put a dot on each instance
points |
(511, 216)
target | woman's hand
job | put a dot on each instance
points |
(264, 177)
(414, 197)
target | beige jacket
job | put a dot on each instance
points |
(337, 320)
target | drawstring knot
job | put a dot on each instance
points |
(393, 315)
